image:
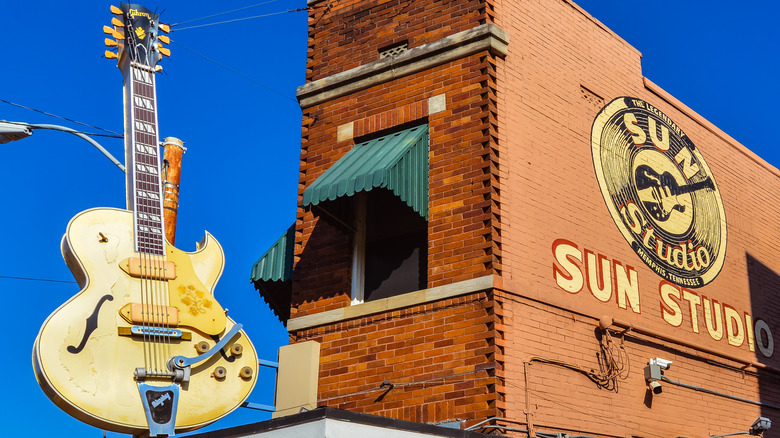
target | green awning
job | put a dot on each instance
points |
(397, 162)
(277, 263)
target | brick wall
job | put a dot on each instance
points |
(462, 174)
(440, 358)
(562, 399)
(347, 34)
(511, 173)
(563, 67)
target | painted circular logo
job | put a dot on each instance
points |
(659, 191)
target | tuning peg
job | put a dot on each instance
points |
(165, 51)
(164, 27)
(164, 39)
(111, 55)
(117, 22)
(113, 32)
(110, 43)
(115, 10)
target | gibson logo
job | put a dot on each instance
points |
(136, 13)
(659, 191)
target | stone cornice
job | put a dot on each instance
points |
(483, 37)
(392, 303)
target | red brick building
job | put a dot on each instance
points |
(501, 219)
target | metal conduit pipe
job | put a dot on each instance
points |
(658, 335)
(654, 334)
(536, 435)
(721, 394)
(483, 425)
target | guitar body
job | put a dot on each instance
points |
(84, 357)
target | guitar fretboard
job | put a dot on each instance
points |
(145, 163)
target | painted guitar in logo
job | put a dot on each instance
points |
(664, 191)
(144, 348)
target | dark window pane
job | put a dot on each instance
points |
(396, 248)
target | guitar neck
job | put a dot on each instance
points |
(144, 188)
(704, 184)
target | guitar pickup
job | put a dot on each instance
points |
(161, 332)
(146, 314)
(137, 267)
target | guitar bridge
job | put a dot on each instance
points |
(163, 332)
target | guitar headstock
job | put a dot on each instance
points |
(136, 33)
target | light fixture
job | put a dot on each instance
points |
(13, 131)
(756, 429)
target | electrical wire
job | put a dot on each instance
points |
(614, 361)
(384, 388)
(223, 13)
(63, 118)
(35, 279)
(235, 72)
(242, 19)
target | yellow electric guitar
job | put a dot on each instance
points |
(144, 348)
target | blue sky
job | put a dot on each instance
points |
(243, 136)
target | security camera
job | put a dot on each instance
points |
(663, 363)
(760, 426)
(656, 387)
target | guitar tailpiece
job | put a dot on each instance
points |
(160, 404)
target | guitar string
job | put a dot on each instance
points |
(145, 302)
(149, 326)
(163, 283)
(143, 256)
(162, 323)
(163, 340)
(150, 264)
(155, 288)
(157, 312)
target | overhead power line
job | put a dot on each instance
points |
(117, 134)
(223, 13)
(35, 279)
(235, 71)
(241, 19)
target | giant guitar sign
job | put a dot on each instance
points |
(144, 347)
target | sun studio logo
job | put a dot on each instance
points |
(659, 191)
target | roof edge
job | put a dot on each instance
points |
(483, 37)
